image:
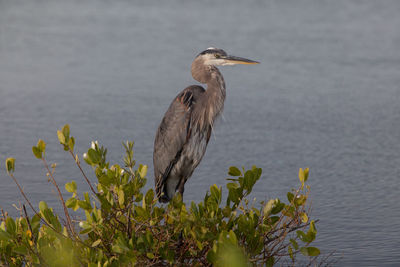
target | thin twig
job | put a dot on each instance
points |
(27, 220)
(3, 214)
(30, 204)
(69, 222)
(83, 173)
(22, 192)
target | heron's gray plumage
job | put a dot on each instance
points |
(172, 138)
(185, 130)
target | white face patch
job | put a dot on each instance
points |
(210, 59)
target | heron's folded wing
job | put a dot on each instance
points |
(173, 133)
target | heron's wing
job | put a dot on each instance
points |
(172, 134)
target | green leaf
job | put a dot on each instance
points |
(149, 196)
(310, 251)
(121, 196)
(301, 176)
(294, 244)
(150, 255)
(215, 193)
(142, 170)
(249, 180)
(290, 196)
(84, 225)
(71, 187)
(36, 152)
(232, 237)
(87, 198)
(300, 200)
(232, 186)
(86, 231)
(41, 145)
(84, 205)
(270, 262)
(21, 250)
(312, 227)
(4, 236)
(43, 206)
(71, 143)
(47, 214)
(11, 226)
(35, 223)
(274, 219)
(71, 203)
(105, 180)
(65, 131)
(304, 217)
(302, 236)
(234, 171)
(55, 223)
(278, 207)
(212, 256)
(268, 207)
(290, 250)
(61, 137)
(93, 156)
(10, 165)
(96, 243)
(312, 232)
(306, 171)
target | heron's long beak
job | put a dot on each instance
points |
(232, 60)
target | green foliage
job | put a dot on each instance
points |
(10, 165)
(39, 149)
(125, 226)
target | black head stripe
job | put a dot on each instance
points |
(213, 51)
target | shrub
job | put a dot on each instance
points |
(125, 226)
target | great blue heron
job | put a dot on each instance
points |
(185, 130)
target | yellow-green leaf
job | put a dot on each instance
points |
(306, 171)
(304, 217)
(268, 207)
(96, 243)
(312, 227)
(142, 170)
(36, 152)
(71, 143)
(61, 137)
(41, 145)
(65, 131)
(71, 187)
(43, 206)
(121, 197)
(301, 175)
(11, 226)
(310, 251)
(10, 165)
(234, 171)
(150, 255)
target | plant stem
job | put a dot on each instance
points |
(69, 222)
(83, 173)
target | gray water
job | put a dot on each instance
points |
(325, 96)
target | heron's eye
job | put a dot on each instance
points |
(217, 56)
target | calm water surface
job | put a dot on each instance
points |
(325, 96)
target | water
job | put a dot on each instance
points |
(325, 96)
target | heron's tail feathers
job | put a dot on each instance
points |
(161, 192)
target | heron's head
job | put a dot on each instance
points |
(218, 57)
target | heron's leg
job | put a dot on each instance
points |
(181, 186)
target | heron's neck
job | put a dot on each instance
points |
(216, 91)
(214, 96)
(212, 101)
